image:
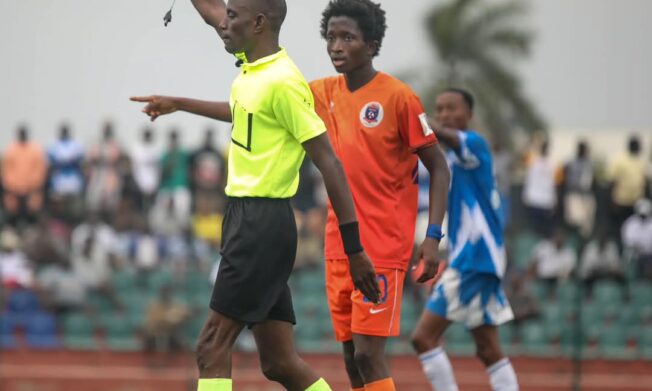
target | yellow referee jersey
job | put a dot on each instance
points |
(273, 113)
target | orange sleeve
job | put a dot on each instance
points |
(413, 122)
(319, 94)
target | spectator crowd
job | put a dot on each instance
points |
(73, 216)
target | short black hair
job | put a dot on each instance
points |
(369, 16)
(274, 10)
(634, 145)
(466, 95)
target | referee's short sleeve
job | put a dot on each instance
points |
(294, 108)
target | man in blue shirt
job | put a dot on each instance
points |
(470, 290)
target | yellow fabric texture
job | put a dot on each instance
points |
(215, 385)
(273, 112)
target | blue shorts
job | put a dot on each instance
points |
(474, 299)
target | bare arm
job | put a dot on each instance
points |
(321, 153)
(433, 159)
(212, 11)
(162, 105)
(446, 135)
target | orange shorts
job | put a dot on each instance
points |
(351, 312)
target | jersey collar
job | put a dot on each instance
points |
(261, 61)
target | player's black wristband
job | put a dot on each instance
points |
(351, 238)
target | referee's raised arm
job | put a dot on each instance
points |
(362, 270)
(212, 11)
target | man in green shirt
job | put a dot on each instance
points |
(274, 124)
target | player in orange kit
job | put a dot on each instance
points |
(379, 130)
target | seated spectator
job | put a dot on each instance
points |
(637, 237)
(174, 179)
(92, 265)
(207, 221)
(104, 182)
(147, 250)
(66, 176)
(554, 260)
(60, 288)
(15, 268)
(524, 304)
(579, 202)
(208, 172)
(167, 225)
(103, 234)
(24, 171)
(164, 318)
(540, 194)
(145, 161)
(600, 261)
(626, 173)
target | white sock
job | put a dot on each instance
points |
(502, 376)
(438, 370)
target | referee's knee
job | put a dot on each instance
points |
(278, 370)
(214, 344)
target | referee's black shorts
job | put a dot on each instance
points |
(259, 243)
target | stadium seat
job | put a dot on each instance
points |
(645, 344)
(78, 332)
(23, 301)
(534, 339)
(192, 328)
(7, 332)
(612, 343)
(566, 292)
(120, 333)
(101, 303)
(123, 280)
(41, 331)
(608, 293)
(459, 340)
(524, 244)
(539, 290)
(156, 279)
(309, 281)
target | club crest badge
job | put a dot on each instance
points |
(372, 114)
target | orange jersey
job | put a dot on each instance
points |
(375, 131)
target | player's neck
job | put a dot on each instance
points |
(263, 49)
(359, 78)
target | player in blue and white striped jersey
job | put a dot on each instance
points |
(470, 291)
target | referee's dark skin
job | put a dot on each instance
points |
(252, 27)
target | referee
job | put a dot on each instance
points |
(274, 124)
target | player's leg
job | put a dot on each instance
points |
(357, 383)
(489, 308)
(372, 324)
(279, 359)
(258, 246)
(370, 360)
(500, 370)
(339, 288)
(214, 347)
(426, 338)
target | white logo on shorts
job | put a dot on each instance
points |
(374, 311)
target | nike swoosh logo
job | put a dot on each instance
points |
(374, 311)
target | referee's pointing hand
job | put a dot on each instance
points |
(156, 105)
(364, 276)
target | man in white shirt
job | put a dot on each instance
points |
(145, 157)
(539, 193)
(637, 236)
(553, 260)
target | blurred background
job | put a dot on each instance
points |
(110, 225)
